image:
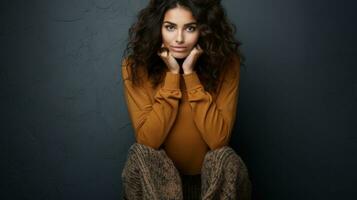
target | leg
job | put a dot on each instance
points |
(150, 174)
(225, 176)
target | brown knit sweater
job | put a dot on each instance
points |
(181, 117)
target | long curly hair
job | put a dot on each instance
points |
(216, 39)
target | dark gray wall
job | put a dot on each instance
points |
(65, 129)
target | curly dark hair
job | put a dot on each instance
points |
(216, 39)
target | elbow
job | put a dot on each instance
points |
(150, 136)
(219, 142)
(220, 139)
(152, 143)
(217, 145)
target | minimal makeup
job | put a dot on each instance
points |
(179, 31)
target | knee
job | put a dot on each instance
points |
(221, 152)
(137, 146)
(144, 154)
(136, 153)
(141, 150)
(224, 156)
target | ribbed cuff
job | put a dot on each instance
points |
(172, 81)
(191, 80)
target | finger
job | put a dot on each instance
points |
(169, 54)
(200, 50)
(199, 47)
(162, 52)
(163, 48)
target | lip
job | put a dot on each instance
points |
(178, 48)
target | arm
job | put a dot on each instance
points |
(152, 120)
(215, 118)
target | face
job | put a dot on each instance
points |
(179, 31)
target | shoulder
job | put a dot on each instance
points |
(131, 72)
(125, 68)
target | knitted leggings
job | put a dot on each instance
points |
(150, 174)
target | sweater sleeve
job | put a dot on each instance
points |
(152, 121)
(215, 118)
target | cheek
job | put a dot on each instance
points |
(166, 37)
(194, 39)
(197, 37)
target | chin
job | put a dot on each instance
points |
(179, 55)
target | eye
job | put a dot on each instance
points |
(191, 29)
(169, 27)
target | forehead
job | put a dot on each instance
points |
(179, 15)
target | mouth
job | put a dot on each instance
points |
(178, 48)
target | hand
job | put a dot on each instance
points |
(191, 59)
(169, 60)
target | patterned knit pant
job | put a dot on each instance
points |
(150, 174)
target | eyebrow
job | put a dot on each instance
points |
(191, 23)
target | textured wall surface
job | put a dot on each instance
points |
(65, 129)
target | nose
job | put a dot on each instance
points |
(179, 37)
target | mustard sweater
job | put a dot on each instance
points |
(181, 117)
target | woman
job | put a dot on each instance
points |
(181, 82)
